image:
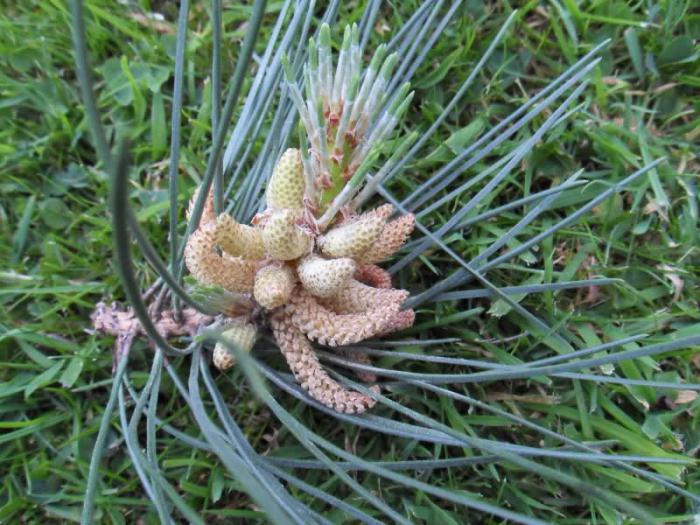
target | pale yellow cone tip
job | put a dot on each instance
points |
(283, 239)
(273, 285)
(352, 239)
(325, 277)
(240, 334)
(237, 239)
(286, 186)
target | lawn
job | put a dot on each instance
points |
(470, 433)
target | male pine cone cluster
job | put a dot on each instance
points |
(315, 286)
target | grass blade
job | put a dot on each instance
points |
(87, 517)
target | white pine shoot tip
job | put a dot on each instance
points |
(346, 112)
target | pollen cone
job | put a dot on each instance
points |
(308, 370)
(286, 186)
(273, 285)
(240, 334)
(283, 239)
(352, 239)
(239, 240)
(325, 277)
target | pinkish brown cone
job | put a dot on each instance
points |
(208, 210)
(392, 237)
(307, 369)
(210, 268)
(373, 275)
(329, 328)
(360, 298)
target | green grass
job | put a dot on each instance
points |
(57, 252)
